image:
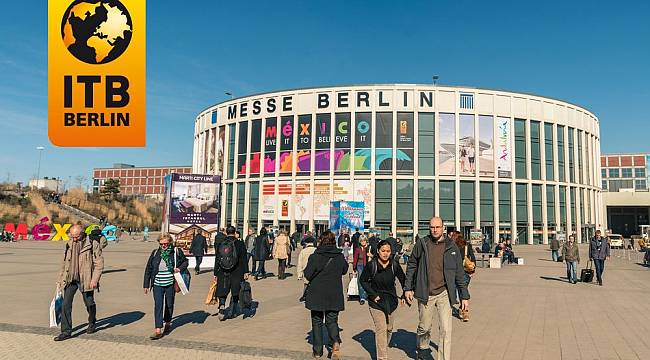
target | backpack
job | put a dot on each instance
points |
(246, 295)
(96, 235)
(227, 255)
(373, 268)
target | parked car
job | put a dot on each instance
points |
(616, 241)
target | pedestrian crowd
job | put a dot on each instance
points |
(434, 277)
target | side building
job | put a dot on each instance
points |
(513, 165)
(626, 192)
(134, 180)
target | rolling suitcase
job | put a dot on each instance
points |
(587, 274)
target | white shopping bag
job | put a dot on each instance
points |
(353, 287)
(181, 283)
(55, 308)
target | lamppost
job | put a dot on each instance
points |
(435, 79)
(230, 94)
(38, 169)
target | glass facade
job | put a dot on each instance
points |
(427, 144)
(292, 161)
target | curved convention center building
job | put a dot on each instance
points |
(513, 165)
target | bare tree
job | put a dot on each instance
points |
(81, 180)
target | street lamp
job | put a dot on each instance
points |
(435, 79)
(230, 94)
(38, 169)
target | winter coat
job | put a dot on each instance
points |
(230, 280)
(325, 284)
(250, 243)
(281, 247)
(555, 244)
(601, 254)
(262, 248)
(417, 277)
(199, 246)
(360, 257)
(571, 252)
(151, 269)
(91, 264)
(302, 260)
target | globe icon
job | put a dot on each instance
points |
(96, 32)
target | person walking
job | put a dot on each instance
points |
(469, 265)
(355, 239)
(308, 248)
(261, 252)
(434, 273)
(281, 251)
(378, 280)
(159, 279)
(599, 252)
(359, 261)
(571, 256)
(324, 296)
(250, 248)
(230, 269)
(198, 248)
(294, 240)
(81, 270)
(555, 247)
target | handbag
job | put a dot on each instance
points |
(182, 279)
(306, 290)
(353, 286)
(55, 308)
(211, 299)
(468, 265)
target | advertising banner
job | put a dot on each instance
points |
(270, 143)
(269, 199)
(323, 138)
(242, 145)
(362, 143)
(321, 200)
(405, 143)
(284, 196)
(342, 143)
(466, 146)
(220, 148)
(504, 148)
(384, 143)
(346, 215)
(286, 144)
(447, 147)
(485, 145)
(303, 202)
(362, 192)
(194, 199)
(303, 161)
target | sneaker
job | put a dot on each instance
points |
(156, 335)
(227, 313)
(168, 328)
(336, 349)
(362, 301)
(464, 314)
(62, 337)
(91, 329)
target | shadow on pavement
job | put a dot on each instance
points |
(367, 339)
(121, 319)
(196, 317)
(560, 279)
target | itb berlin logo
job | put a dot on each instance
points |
(96, 32)
(97, 72)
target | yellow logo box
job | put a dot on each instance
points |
(96, 73)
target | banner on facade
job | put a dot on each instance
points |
(504, 149)
(346, 215)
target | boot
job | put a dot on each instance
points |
(464, 315)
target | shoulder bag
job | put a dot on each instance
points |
(304, 293)
(468, 265)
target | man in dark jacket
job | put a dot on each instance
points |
(355, 239)
(261, 252)
(229, 280)
(198, 248)
(392, 241)
(219, 237)
(599, 252)
(555, 247)
(433, 275)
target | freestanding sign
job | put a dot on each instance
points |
(191, 206)
(346, 215)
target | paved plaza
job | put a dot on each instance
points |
(518, 312)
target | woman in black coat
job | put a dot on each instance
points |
(159, 279)
(325, 292)
(261, 252)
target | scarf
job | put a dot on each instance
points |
(166, 255)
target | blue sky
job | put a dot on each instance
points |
(592, 54)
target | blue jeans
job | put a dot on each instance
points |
(571, 272)
(554, 255)
(600, 267)
(362, 291)
(163, 299)
(406, 259)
